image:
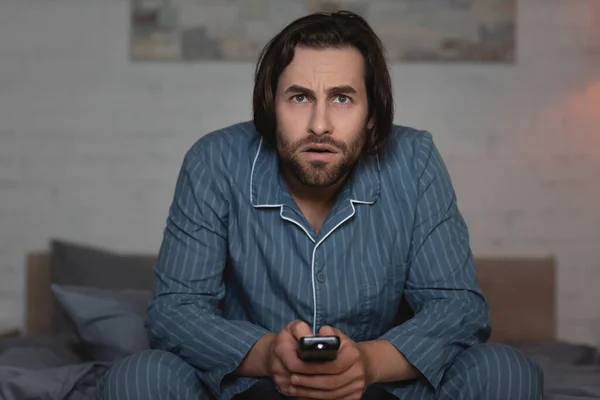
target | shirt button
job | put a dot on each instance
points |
(321, 277)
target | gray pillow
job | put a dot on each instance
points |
(36, 358)
(556, 351)
(110, 323)
(81, 265)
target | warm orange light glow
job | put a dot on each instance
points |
(586, 104)
(570, 124)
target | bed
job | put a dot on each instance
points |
(86, 307)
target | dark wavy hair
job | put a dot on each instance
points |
(323, 30)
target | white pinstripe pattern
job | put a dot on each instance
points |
(239, 259)
(152, 375)
(483, 371)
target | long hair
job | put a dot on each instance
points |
(322, 30)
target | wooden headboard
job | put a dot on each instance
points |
(40, 306)
(521, 294)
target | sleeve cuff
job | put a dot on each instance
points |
(220, 380)
(430, 356)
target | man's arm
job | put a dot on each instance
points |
(442, 288)
(256, 362)
(183, 315)
(385, 364)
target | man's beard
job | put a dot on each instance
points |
(319, 173)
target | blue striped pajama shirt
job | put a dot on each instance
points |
(239, 260)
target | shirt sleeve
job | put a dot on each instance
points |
(183, 315)
(442, 288)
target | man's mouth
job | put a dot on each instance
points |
(314, 148)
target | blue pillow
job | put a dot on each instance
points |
(109, 322)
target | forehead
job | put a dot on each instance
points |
(330, 66)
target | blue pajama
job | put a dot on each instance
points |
(239, 259)
(482, 372)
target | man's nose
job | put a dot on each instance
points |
(320, 123)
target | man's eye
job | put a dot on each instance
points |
(342, 99)
(299, 98)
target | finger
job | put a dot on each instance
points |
(328, 382)
(299, 329)
(348, 354)
(282, 385)
(312, 368)
(285, 348)
(288, 358)
(279, 367)
(346, 358)
(354, 388)
(343, 362)
(327, 330)
(287, 353)
(321, 382)
(346, 361)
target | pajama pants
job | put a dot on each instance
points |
(485, 371)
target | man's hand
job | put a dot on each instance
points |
(344, 378)
(282, 356)
(357, 365)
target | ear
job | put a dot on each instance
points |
(371, 123)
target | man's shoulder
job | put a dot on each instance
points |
(233, 138)
(224, 147)
(407, 143)
(408, 153)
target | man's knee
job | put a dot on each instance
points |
(151, 374)
(497, 371)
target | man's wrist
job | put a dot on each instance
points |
(268, 341)
(384, 363)
(369, 352)
(256, 362)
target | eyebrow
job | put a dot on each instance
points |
(344, 89)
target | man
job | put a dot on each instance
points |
(317, 218)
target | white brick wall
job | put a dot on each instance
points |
(90, 143)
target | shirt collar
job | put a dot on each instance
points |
(266, 187)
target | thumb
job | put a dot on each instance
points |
(327, 330)
(298, 329)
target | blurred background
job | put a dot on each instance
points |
(91, 138)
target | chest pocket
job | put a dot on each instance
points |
(380, 295)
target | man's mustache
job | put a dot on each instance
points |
(327, 140)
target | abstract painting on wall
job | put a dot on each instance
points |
(411, 30)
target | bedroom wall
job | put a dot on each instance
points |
(90, 143)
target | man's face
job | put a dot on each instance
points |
(321, 108)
